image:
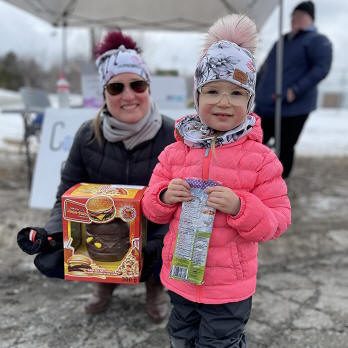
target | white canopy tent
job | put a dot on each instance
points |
(175, 15)
(184, 15)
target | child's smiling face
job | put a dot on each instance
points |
(222, 105)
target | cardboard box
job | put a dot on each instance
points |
(103, 231)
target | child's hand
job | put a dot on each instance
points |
(223, 199)
(178, 191)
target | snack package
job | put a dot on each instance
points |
(103, 232)
(194, 231)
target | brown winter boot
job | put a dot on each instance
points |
(157, 301)
(100, 299)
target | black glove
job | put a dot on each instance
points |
(33, 240)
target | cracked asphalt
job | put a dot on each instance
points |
(301, 299)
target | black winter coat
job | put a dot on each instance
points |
(109, 163)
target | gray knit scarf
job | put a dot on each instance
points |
(132, 134)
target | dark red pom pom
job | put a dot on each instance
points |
(114, 40)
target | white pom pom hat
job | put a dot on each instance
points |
(226, 58)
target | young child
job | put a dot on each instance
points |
(222, 143)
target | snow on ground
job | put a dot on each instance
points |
(325, 132)
(11, 128)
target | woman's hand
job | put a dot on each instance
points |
(223, 199)
(290, 95)
(178, 191)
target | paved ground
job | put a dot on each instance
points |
(301, 299)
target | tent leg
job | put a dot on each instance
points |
(279, 82)
(25, 117)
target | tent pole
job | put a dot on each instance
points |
(93, 41)
(279, 82)
(64, 47)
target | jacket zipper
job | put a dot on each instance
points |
(206, 163)
(205, 176)
(127, 170)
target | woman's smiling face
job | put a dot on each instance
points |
(128, 106)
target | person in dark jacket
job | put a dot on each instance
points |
(307, 60)
(120, 146)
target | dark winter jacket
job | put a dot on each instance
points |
(307, 60)
(109, 163)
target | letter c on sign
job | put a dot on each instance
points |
(55, 143)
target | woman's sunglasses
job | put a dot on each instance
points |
(115, 88)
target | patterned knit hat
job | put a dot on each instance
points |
(226, 61)
(118, 61)
(229, 56)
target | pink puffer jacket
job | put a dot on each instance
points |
(253, 172)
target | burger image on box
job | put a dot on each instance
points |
(103, 231)
(79, 263)
(100, 209)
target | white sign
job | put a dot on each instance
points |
(169, 92)
(58, 130)
(92, 96)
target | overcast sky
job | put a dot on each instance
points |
(27, 35)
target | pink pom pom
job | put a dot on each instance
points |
(236, 28)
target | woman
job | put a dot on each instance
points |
(120, 146)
